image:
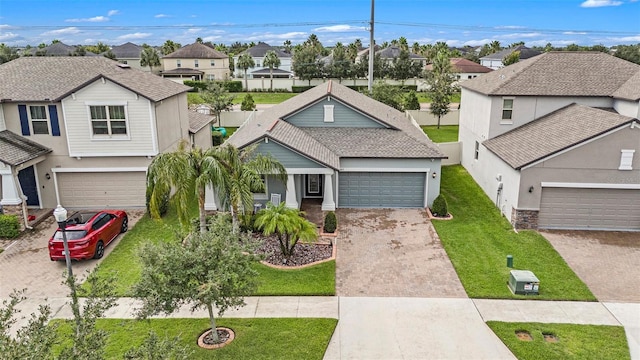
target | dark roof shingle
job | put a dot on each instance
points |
(196, 51)
(16, 150)
(197, 121)
(260, 50)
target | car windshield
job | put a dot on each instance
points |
(71, 234)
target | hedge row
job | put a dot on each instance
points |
(9, 226)
(231, 86)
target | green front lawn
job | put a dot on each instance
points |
(446, 133)
(281, 338)
(258, 97)
(423, 97)
(123, 260)
(479, 238)
(580, 342)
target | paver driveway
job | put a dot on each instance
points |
(607, 261)
(392, 252)
(26, 263)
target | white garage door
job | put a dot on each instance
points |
(590, 209)
(102, 190)
(381, 190)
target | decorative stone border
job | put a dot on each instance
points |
(232, 335)
(431, 217)
(281, 267)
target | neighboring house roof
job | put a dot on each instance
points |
(16, 150)
(197, 121)
(260, 50)
(405, 139)
(59, 49)
(266, 71)
(127, 51)
(552, 133)
(182, 71)
(525, 53)
(392, 52)
(196, 51)
(463, 65)
(569, 73)
(53, 78)
(630, 90)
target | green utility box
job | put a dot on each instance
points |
(523, 282)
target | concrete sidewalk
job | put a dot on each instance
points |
(410, 328)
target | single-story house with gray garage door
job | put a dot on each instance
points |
(345, 148)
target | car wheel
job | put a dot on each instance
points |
(99, 250)
(125, 225)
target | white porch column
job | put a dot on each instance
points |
(210, 199)
(292, 201)
(10, 194)
(328, 204)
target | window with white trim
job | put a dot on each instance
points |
(195, 63)
(260, 192)
(626, 159)
(328, 113)
(178, 63)
(211, 77)
(39, 121)
(108, 120)
(476, 152)
(213, 63)
(507, 109)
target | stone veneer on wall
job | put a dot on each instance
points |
(14, 210)
(524, 219)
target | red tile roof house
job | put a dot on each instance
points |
(81, 131)
(554, 140)
(345, 149)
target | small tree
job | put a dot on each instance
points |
(212, 269)
(440, 85)
(440, 207)
(245, 61)
(387, 94)
(218, 98)
(512, 58)
(247, 103)
(411, 101)
(330, 222)
(287, 224)
(271, 61)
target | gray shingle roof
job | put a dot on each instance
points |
(198, 120)
(16, 150)
(59, 49)
(196, 51)
(569, 73)
(261, 49)
(552, 133)
(127, 51)
(183, 71)
(630, 90)
(525, 53)
(53, 78)
(270, 123)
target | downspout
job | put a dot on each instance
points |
(25, 214)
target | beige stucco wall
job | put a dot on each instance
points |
(203, 138)
(134, 63)
(220, 69)
(627, 108)
(57, 143)
(172, 121)
(593, 162)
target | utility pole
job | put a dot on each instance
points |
(371, 51)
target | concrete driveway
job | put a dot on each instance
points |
(607, 261)
(25, 264)
(392, 252)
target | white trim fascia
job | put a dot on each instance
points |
(66, 134)
(386, 125)
(590, 185)
(35, 175)
(425, 201)
(306, 171)
(266, 139)
(99, 170)
(527, 209)
(104, 103)
(81, 155)
(3, 124)
(154, 126)
(395, 170)
(548, 157)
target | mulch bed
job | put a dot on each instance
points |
(223, 336)
(304, 253)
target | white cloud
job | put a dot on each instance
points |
(8, 36)
(6, 26)
(600, 3)
(574, 33)
(339, 28)
(113, 12)
(286, 36)
(625, 39)
(509, 27)
(520, 35)
(213, 38)
(65, 31)
(159, 16)
(93, 19)
(193, 31)
(478, 42)
(134, 36)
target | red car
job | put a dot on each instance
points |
(88, 233)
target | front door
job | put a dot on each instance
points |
(313, 186)
(28, 184)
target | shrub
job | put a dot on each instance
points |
(233, 86)
(247, 103)
(217, 138)
(439, 207)
(230, 86)
(9, 226)
(196, 85)
(411, 101)
(330, 222)
(300, 89)
(164, 201)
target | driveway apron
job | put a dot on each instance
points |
(392, 252)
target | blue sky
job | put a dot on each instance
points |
(458, 22)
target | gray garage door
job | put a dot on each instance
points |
(571, 208)
(98, 190)
(380, 190)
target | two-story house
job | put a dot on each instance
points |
(258, 53)
(553, 140)
(195, 61)
(464, 69)
(345, 148)
(494, 61)
(81, 131)
(131, 54)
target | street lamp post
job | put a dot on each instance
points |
(60, 214)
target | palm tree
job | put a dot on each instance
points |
(185, 170)
(244, 172)
(271, 61)
(245, 61)
(149, 57)
(287, 224)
